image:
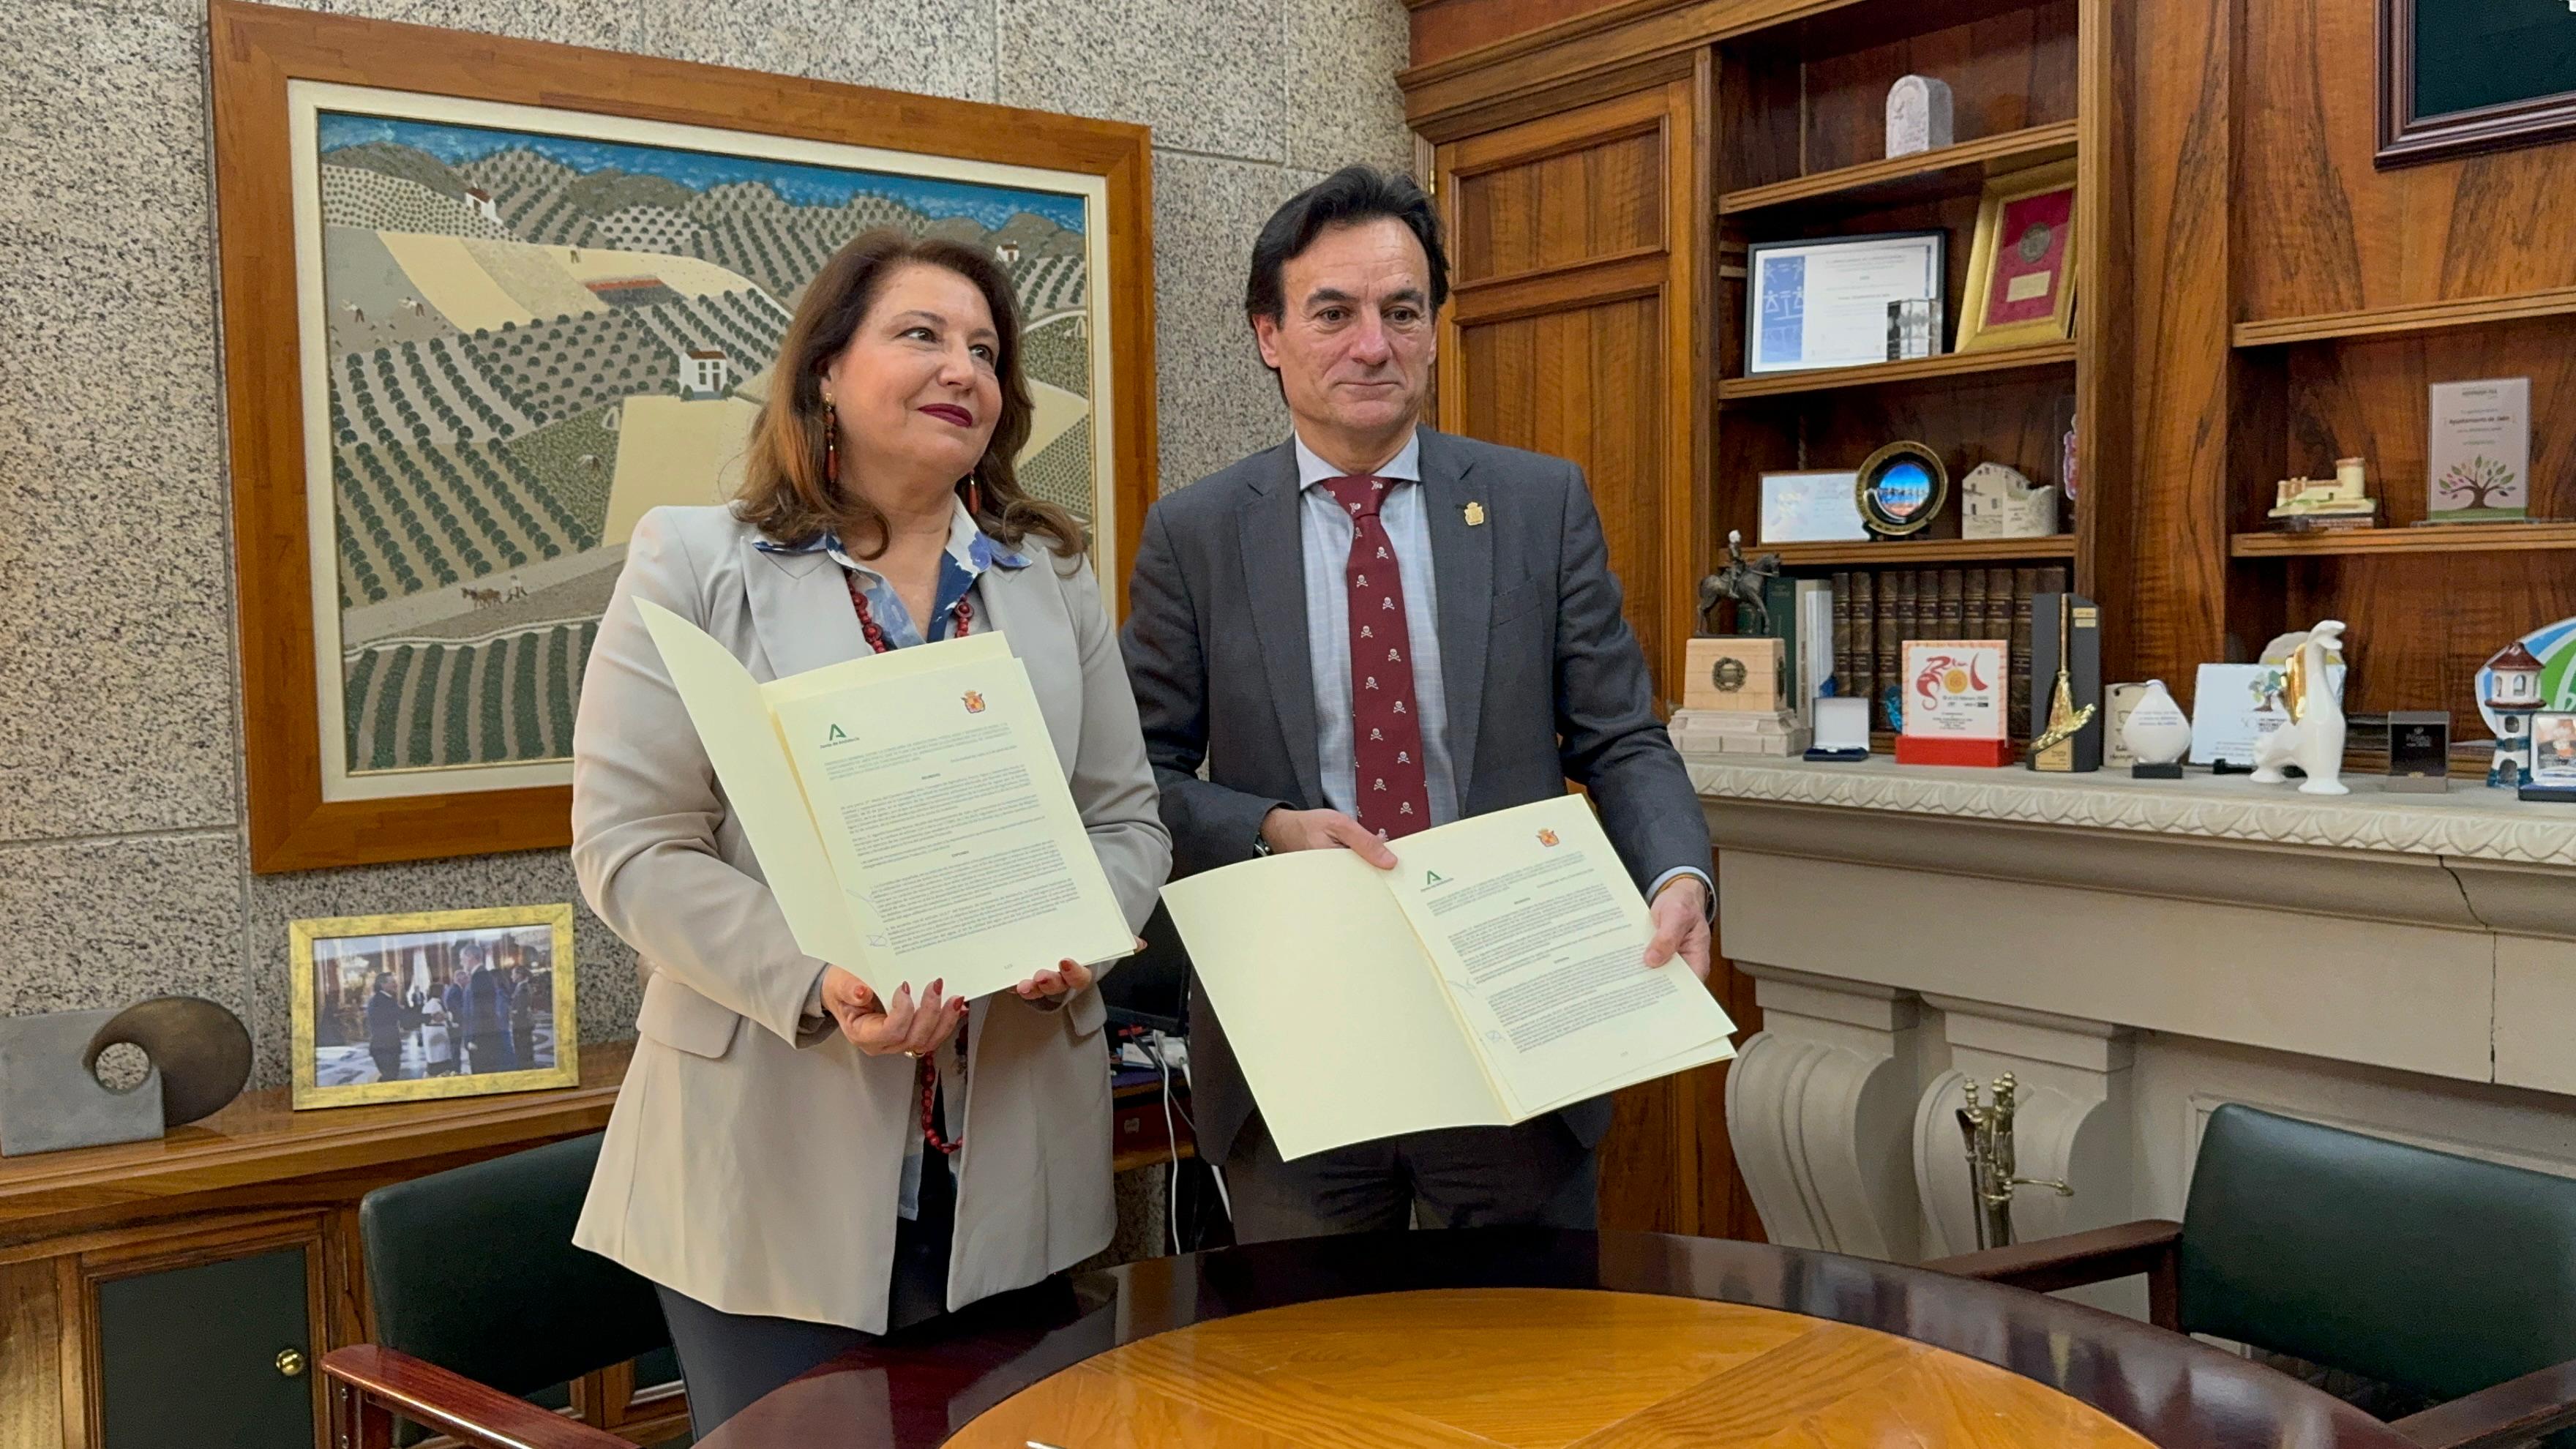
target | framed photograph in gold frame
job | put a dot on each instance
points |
(485, 301)
(2021, 271)
(434, 1004)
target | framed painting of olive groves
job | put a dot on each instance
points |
(487, 301)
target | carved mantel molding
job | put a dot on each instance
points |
(2469, 823)
(2474, 859)
(2127, 949)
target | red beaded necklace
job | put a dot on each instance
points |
(924, 1074)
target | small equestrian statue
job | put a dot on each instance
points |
(1743, 582)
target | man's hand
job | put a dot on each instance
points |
(1680, 917)
(1288, 830)
(882, 1028)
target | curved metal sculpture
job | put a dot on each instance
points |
(201, 1049)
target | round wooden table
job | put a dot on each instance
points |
(1531, 1338)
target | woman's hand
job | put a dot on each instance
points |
(1067, 978)
(896, 1024)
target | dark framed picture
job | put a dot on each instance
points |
(486, 301)
(2456, 79)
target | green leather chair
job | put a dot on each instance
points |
(2443, 1276)
(481, 1301)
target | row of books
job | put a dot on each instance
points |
(1874, 613)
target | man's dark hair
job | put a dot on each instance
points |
(1351, 195)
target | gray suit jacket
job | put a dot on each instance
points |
(755, 1157)
(1544, 679)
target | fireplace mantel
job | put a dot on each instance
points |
(2135, 953)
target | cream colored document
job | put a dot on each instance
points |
(907, 809)
(1495, 974)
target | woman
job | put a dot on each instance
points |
(783, 1159)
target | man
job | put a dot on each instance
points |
(384, 1029)
(1375, 601)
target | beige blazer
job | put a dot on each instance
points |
(754, 1157)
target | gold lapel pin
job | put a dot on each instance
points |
(1475, 515)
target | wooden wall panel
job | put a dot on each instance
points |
(2323, 230)
(1595, 202)
(31, 1343)
(1443, 28)
(1577, 331)
(1725, 1206)
(2005, 72)
(2179, 513)
(1576, 323)
(2423, 623)
(1558, 384)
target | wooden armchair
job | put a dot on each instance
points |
(2449, 1277)
(480, 1298)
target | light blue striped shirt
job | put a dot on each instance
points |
(1328, 535)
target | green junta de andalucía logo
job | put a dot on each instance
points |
(1432, 878)
(836, 737)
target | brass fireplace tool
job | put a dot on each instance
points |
(1989, 1134)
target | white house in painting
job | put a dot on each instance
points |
(705, 372)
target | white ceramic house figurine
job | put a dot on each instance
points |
(2313, 739)
(2002, 502)
(1918, 115)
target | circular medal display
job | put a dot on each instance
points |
(1901, 489)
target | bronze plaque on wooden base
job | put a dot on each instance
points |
(1735, 674)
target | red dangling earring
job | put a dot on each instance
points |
(831, 446)
(975, 498)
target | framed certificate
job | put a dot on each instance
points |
(2021, 272)
(1812, 507)
(1811, 304)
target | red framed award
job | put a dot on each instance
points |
(2021, 272)
(1954, 703)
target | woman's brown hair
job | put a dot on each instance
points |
(785, 493)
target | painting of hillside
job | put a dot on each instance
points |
(533, 338)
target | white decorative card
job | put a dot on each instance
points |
(2480, 453)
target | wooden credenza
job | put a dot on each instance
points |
(180, 1291)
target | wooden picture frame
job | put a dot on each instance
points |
(320, 794)
(2409, 137)
(338, 960)
(2038, 206)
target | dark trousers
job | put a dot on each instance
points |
(728, 1361)
(1534, 1174)
(388, 1061)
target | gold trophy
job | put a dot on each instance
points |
(1988, 1132)
(2055, 748)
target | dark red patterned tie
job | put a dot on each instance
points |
(1386, 731)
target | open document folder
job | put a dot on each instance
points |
(1495, 974)
(907, 809)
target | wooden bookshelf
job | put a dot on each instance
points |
(1902, 552)
(1905, 179)
(2390, 321)
(2431, 538)
(1883, 374)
